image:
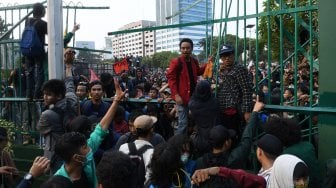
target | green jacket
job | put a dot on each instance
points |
(67, 38)
(96, 138)
(306, 152)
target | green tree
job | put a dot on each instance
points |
(159, 59)
(231, 39)
(289, 28)
(3, 28)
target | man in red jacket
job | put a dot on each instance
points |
(182, 78)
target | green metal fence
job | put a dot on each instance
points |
(282, 47)
(13, 101)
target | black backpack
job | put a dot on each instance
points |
(137, 158)
(66, 116)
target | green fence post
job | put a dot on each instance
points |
(327, 87)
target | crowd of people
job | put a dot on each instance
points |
(178, 134)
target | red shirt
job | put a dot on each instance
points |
(243, 178)
(179, 81)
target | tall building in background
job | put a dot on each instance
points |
(85, 44)
(169, 12)
(136, 44)
(108, 47)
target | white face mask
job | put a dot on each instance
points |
(185, 157)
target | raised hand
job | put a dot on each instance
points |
(40, 166)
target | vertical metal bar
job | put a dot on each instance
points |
(237, 32)
(227, 11)
(311, 69)
(245, 32)
(257, 47)
(6, 49)
(66, 20)
(207, 26)
(296, 54)
(74, 36)
(212, 29)
(218, 45)
(269, 63)
(281, 54)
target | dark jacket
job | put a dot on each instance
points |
(205, 114)
(306, 152)
(50, 124)
(238, 155)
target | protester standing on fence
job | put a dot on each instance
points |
(34, 63)
(182, 79)
(234, 92)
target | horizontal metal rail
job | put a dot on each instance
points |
(270, 13)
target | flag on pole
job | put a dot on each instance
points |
(93, 76)
(120, 66)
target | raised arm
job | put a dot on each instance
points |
(108, 117)
(241, 177)
(244, 148)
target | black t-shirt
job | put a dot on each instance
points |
(191, 77)
(83, 182)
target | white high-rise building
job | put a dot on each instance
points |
(108, 47)
(136, 43)
(169, 12)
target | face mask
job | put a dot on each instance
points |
(301, 186)
(185, 157)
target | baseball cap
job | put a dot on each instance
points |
(270, 144)
(167, 90)
(144, 122)
(219, 134)
(226, 49)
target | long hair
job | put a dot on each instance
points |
(165, 166)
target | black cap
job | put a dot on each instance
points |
(219, 134)
(270, 144)
(226, 49)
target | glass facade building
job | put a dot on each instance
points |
(170, 12)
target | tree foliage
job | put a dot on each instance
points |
(3, 28)
(159, 59)
(288, 20)
(231, 39)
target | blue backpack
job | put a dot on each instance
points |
(31, 45)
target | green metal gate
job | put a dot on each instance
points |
(293, 39)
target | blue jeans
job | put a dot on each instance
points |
(182, 112)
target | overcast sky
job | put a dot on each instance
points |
(95, 24)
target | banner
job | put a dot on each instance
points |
(120, 66)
